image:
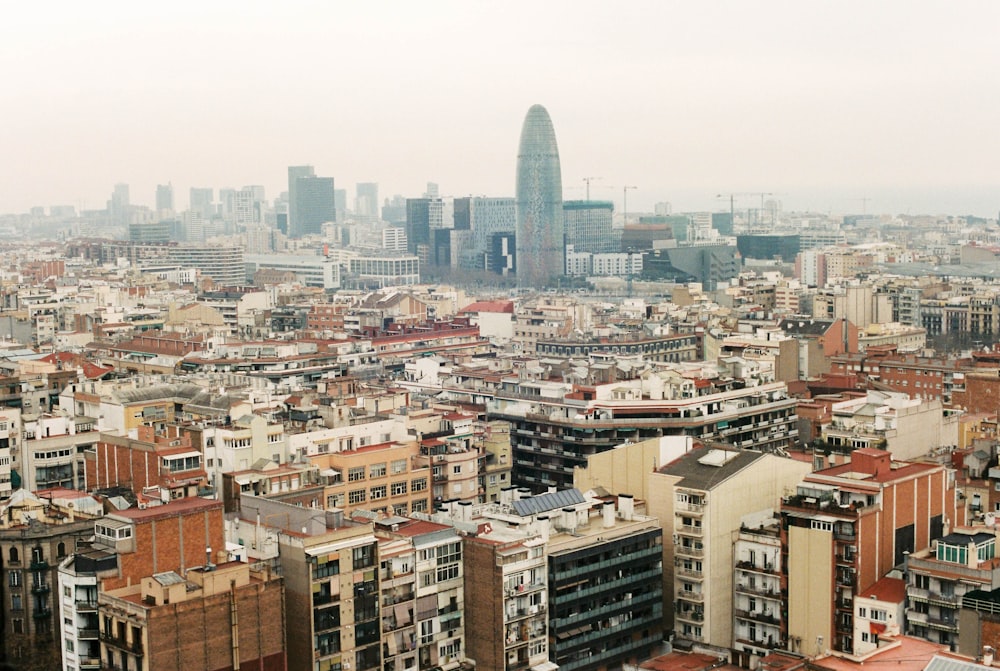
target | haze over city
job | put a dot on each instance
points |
(885, 106)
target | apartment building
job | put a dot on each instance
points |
(759, 625)
(35, 535)
(506, 599)
(939, 576)
(147, 626)
(701, 499)
(846, 527)
(553, 434)
(332, 597)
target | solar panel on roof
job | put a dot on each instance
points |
(549, 501)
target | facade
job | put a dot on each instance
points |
(588, 226)
(35, 536)
(313, 205)
(940, 576)
(701, 498)
(540, 245)
(224, 264)
(506, 598)
(550, 436)
(483, 218)
(332, 599)
(294, 173)
(605, 605)
(846, 527)
(147, 627)
(312, 270)
(758, 614)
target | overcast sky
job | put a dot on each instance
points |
(822, 103)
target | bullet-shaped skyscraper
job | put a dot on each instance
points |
(540, 245)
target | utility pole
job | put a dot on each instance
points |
(625, 203)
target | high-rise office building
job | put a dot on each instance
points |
(164, 198)
(119, 207)
(587, 225)
(540, 244)
(312, 205)
(422, 215)
(340, 203)
(294, 173)
(201, 201)
(366, 201)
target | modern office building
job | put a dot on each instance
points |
(164, 198)
(295, 172)
(313, 206)
(540, 253)
(588, 226)
(366, 201)
(200, 201)
(482, 218)
(423, 215)
(224, 264)
(311, 270)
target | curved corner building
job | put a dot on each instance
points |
(540, 251)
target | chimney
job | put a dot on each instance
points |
(987, 655)
(543, 527)
(569, 519)
(465, 510)
(521, 493)
(551, 490)
(608, 510)
(507, 495)
(626, 506)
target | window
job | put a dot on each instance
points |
(335, 501)
(14, 557)
(399, 488)
(457, 469)
(821, 525)
(449, 553)
(447, 573)
(355, 473)
(357, 496)
(418, 484)
(377, 470)
(15, 602)
(378, 492)
(364, 557)
(14, 578)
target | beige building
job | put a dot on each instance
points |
(701, 498)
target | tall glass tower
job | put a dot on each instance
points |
(540, 253)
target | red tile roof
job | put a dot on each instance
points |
(489, 306)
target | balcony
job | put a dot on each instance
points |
(688, 550)
(42, 613)
(691, 615)
(41, 588)
(767, 567)
(86, 606)
(39, 565)
(689, 573)
(88, 634)
(696, 597)
(90, 663)
(756, 616)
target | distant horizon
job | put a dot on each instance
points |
(823, 104)
(981, 202)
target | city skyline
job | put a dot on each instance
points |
(831, 108)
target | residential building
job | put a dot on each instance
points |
(847, 526)
(148, 626)
(939, 576)
(694, 497)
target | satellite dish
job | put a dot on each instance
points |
(989, 519)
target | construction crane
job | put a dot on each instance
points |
(625, 202)
(588, 180)
(732, 201)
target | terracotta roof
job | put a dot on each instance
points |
(489, 306)
(891, 590)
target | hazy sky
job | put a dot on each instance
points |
(822, 103)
